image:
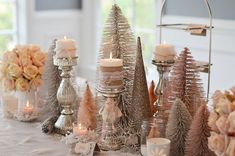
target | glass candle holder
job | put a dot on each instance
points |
(27, 106)
(153, 128)
(79, 129)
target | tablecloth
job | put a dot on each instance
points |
(26, 139)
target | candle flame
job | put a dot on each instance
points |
(27, 103)
(79, 126)
(65, 37)
(111, 55)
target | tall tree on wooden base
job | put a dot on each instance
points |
(197, 139)
(87, 110)
(119, 40)
(140, 90)
(177, 127)
(185, 82)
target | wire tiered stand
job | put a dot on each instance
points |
(163, 67)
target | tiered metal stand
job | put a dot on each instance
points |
(162, 67)
(202, 66)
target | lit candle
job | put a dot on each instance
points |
(111, 72)
(164, 52)
(28, 109)
(65, 47)
(111, 62)
(79, 130)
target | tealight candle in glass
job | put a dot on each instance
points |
(79, 129)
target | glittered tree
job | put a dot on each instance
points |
(87, 110)
(119, 40)
(140, 90)
(152, 97)
(197, 139)
(177, 127)
(185, 83)
(52, 81)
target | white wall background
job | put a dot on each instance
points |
(83, 25)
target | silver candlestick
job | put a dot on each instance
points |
(66, 95)
(109, 139)
(163, 68)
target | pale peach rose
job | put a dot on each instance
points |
(36, 82)
(13, 71)
(21, 49)
(10, 57)
(231, 147)
(216, 96)
(25, 59)
(22, 84)
(222, 107)
(40, 70)
(212, 120)
(232, 106)
(38, 58)
(8, 84)
(221, 124)
(3, 69)
(33, 48)
(30, 72)
(231, 123)
(233, 90)
(216, 143)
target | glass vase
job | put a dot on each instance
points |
(9, 104)
(153, 128)
(27, 106)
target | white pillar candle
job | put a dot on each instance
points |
(158, 146)
(164, 52)
(111, 62)
(111, 75)
(10, 105)
(65, 47)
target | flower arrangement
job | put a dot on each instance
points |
(22, 68)
(222, 123)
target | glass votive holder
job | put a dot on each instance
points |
(79, 129)
(153, 128)
(9, 105)
(27, 106)
(158, 146)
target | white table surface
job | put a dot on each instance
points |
(26, 139)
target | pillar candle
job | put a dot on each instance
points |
(111, 72)
(65, 47)
(164, 52)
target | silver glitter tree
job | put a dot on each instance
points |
(177, 127)
(118, 39)
(52, 80)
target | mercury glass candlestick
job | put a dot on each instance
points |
(66, 95)
(163, 68)
(109, 139)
